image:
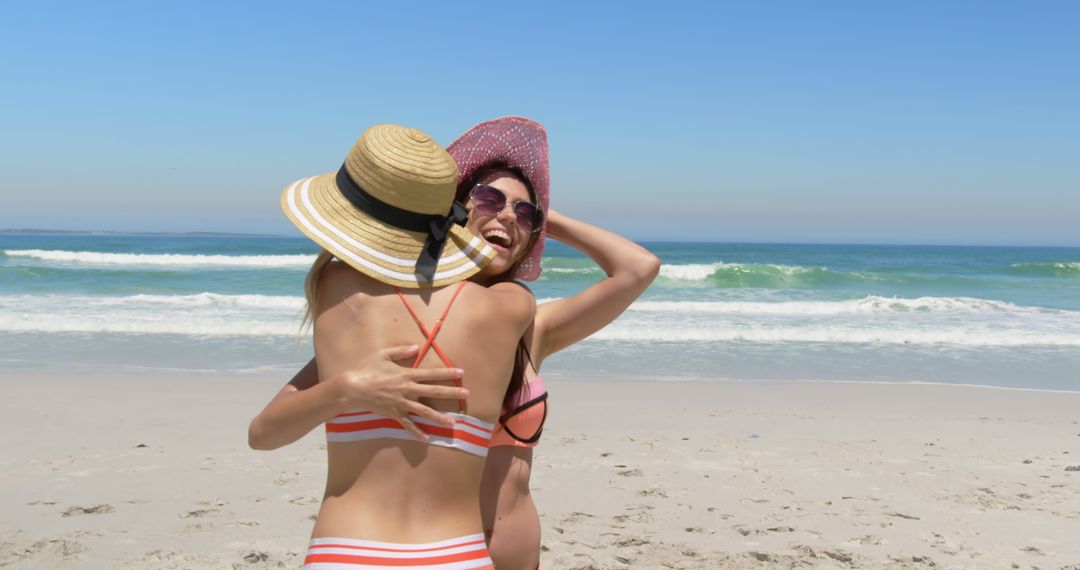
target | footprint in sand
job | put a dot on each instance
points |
(635, 472)
(576, 517)
(625, 541)
(839, 555)
(54, 547)
(638, 517)
(198, 528)
(743, 530)
(199, 513)
(285, 477)
(653, 492)
(920, 561)
(570, 439)
(94, 510)
(868, 540)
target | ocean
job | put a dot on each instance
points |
(995, 316)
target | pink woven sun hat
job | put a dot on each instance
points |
(520, 143)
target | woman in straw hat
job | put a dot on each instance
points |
(510, 155)
(399, 274)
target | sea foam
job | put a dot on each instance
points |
(868, 305)
(1049, 269)
(840, 334)
(163, 259)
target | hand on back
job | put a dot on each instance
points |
(383, 386)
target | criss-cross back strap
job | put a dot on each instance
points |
(429, 342)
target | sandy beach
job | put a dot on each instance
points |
(154, 472)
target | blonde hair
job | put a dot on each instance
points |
(311, 287)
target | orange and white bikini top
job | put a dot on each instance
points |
(469, 434)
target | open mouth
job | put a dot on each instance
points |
(498, 238)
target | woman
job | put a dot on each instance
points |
(509, 155)
(387, 222)
(514, 166)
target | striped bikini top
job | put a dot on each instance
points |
(469, 434)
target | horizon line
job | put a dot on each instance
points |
(40, 231)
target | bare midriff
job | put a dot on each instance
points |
(405, 492)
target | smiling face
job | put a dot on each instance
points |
(501, 230)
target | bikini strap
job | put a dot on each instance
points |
(429, 343)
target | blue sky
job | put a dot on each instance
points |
(883, 122)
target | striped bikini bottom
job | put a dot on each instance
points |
(462, 553)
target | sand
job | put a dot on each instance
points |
(154, 472)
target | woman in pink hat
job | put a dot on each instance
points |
(504, 182)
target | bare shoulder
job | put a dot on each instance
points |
(338, 272)
(516, 296)
(339, 286)
(510, 300)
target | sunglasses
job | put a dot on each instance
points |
(491, 201)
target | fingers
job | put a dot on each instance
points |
(428, 413)
(411, 428)
(435, 374)
(440, 392)
(402, 352)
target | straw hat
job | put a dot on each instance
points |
(521, 143)
(390, 211)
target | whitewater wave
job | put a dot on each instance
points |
(294, 303)
(1049, 269)
(757, 275)
(205, 313)
(173, 325)
(573, 270)
(865, 306)
(959, 321)
(840, 335)
(690, 271)
(151, 302)
(164, 259)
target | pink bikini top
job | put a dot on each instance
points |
(522, 421)
(469, 434)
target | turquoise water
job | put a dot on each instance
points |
(983, 315)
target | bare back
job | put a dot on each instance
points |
(408, 491)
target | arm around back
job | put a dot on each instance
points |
(379, 384)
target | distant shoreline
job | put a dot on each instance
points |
(31, 231)
(36, 231)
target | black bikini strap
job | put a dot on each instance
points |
(542, 398)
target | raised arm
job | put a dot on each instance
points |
(379, 385)
(630, 269)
